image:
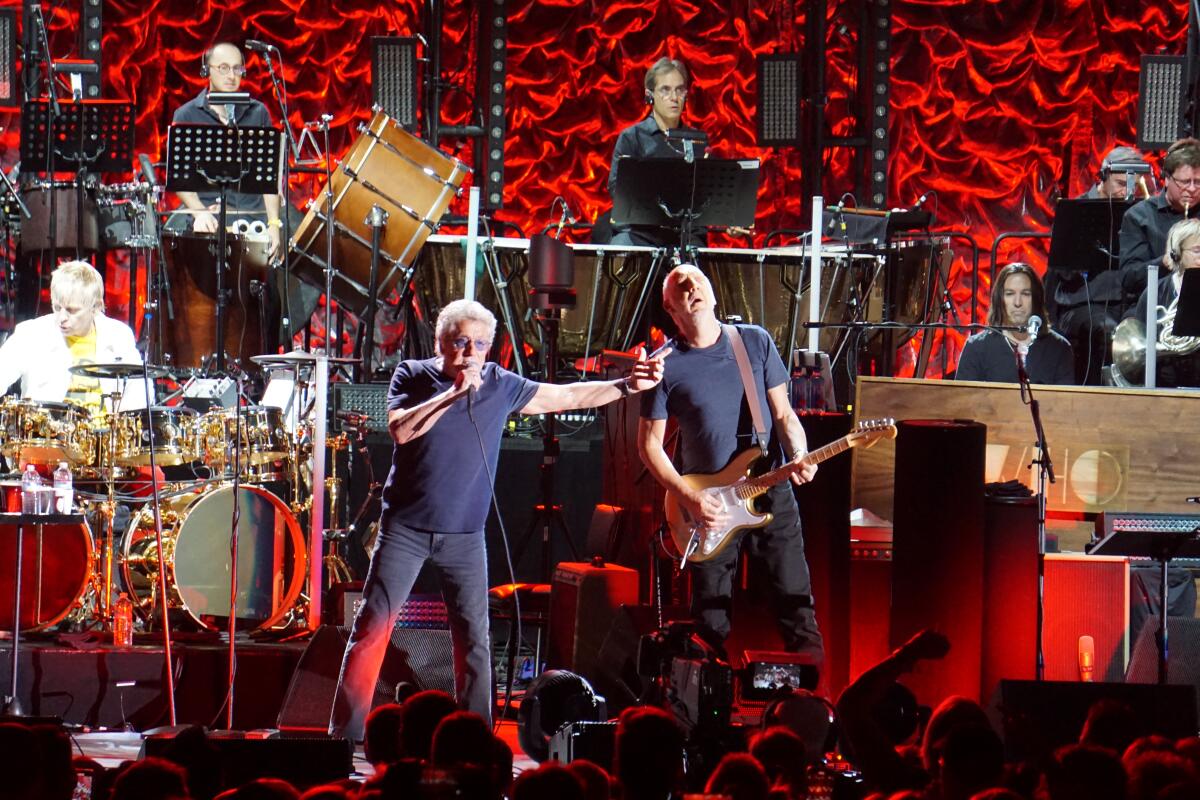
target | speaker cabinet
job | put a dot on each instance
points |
(420, 656)
(1183, 654)
(1086, 596)
(302, 761)
(584, 599)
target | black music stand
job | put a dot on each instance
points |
(672, 192)
(1187, 310)
(12, 705)
(1162, 546)
(1084, 235)
(203, 157)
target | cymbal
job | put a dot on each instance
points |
(120, 369)
(297, 357)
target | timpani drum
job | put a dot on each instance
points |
(56, 566)
(389, 167)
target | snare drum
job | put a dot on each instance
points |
(173, 431)
(35, 432)
(272, 560)
(389, 167)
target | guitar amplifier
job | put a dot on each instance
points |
(584, 600)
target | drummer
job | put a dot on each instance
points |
(41, 351)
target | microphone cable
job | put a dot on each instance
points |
(515, 631)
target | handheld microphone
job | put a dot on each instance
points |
(1034, 326)
(1087, 658)
(669, 343)
(255, 46)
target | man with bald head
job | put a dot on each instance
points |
(702, 389)
(224, 67)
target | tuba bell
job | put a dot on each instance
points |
(1129, 346)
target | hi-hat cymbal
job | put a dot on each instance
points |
(120, 369)
(297, 357)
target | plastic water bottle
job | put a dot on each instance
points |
(64, 493)
(123, 622)
(30, 484)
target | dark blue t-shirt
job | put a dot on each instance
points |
(438, 482)
(702, 389)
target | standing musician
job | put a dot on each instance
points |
(1144, 228)
(1017, 296)
(1179, 361)
(224, 67)
(702, 389)
(447, 415)
(666, 86)
(41, 351)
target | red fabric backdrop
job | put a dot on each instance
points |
(994, 102)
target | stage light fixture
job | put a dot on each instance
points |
(880, 142)
(1161, 87)
(490, 78)
(91, 32)
(779, 88)
(394, 78)
(8, 58)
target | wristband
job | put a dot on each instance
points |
(275, 223)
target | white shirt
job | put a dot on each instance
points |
(37, 354)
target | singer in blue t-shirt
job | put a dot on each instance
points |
(447, 415)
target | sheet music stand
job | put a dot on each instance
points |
(1162, 546)
(670, 193)
(108, 124)
(1187, 311)
(203, 157)
(1084, 235)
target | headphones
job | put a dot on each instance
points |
(1105, 170)
(649, 99)
(204, 62)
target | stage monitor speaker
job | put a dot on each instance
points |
(583, 603)
(1183, 651)
(593, 741)
(420, 656)
(1039, 717)
(1086, 596)
(304, 761)
(617, 677)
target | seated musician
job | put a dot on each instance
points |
(666, 86)
(224, 67)
(1017, 296)
(40, 351)
(1178, 359)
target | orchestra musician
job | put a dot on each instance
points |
(1178, 365)
(1145, 226)
(1017, 296)
(702, 389)
(41, 351)
(446, 416)
(1086, 308)
(224, 67)
(666, 90)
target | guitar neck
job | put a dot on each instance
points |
(753, 487)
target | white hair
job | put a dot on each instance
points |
(459, 311)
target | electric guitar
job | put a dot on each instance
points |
(735, 490)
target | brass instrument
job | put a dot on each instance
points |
(1129, 346)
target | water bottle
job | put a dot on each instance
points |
(30, 484)
(123, 622)
(64, 494)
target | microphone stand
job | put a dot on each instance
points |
(55, 111)
(280, 84)
(1045, 473)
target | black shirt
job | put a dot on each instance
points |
(646, 140)
(1173, 370)
(988, 356)
(254, 114)
(1144, 239)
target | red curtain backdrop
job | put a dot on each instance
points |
(996, 104)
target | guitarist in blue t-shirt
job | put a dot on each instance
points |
(703, 390)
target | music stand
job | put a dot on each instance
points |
(1162, 546)
(671, 192)
(1187, 310)
(203, 157)
(1084, 235)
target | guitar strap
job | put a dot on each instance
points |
(748, 384)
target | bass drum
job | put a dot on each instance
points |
(272, 560)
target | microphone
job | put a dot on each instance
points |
(661, 348)
(355, 418)
(1034, 326)
(147, 169)
(835, 213)
(230, 114)
(471, 403)
(255, 46)
(920, 201)
(1087, 658)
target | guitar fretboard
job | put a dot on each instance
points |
(753, 487)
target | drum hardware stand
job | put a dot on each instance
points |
(330, 232)
(377, 219)
(199, 157)
(336, 568)
(234, 533)
(504, 286)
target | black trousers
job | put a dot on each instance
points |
(779, 546)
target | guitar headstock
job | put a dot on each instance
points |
(869, 431)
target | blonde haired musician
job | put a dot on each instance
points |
(702, 390)
(41, 351)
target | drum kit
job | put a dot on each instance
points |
(109, 453)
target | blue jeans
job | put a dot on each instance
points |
(400, 552)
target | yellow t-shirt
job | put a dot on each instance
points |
(85, 391)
